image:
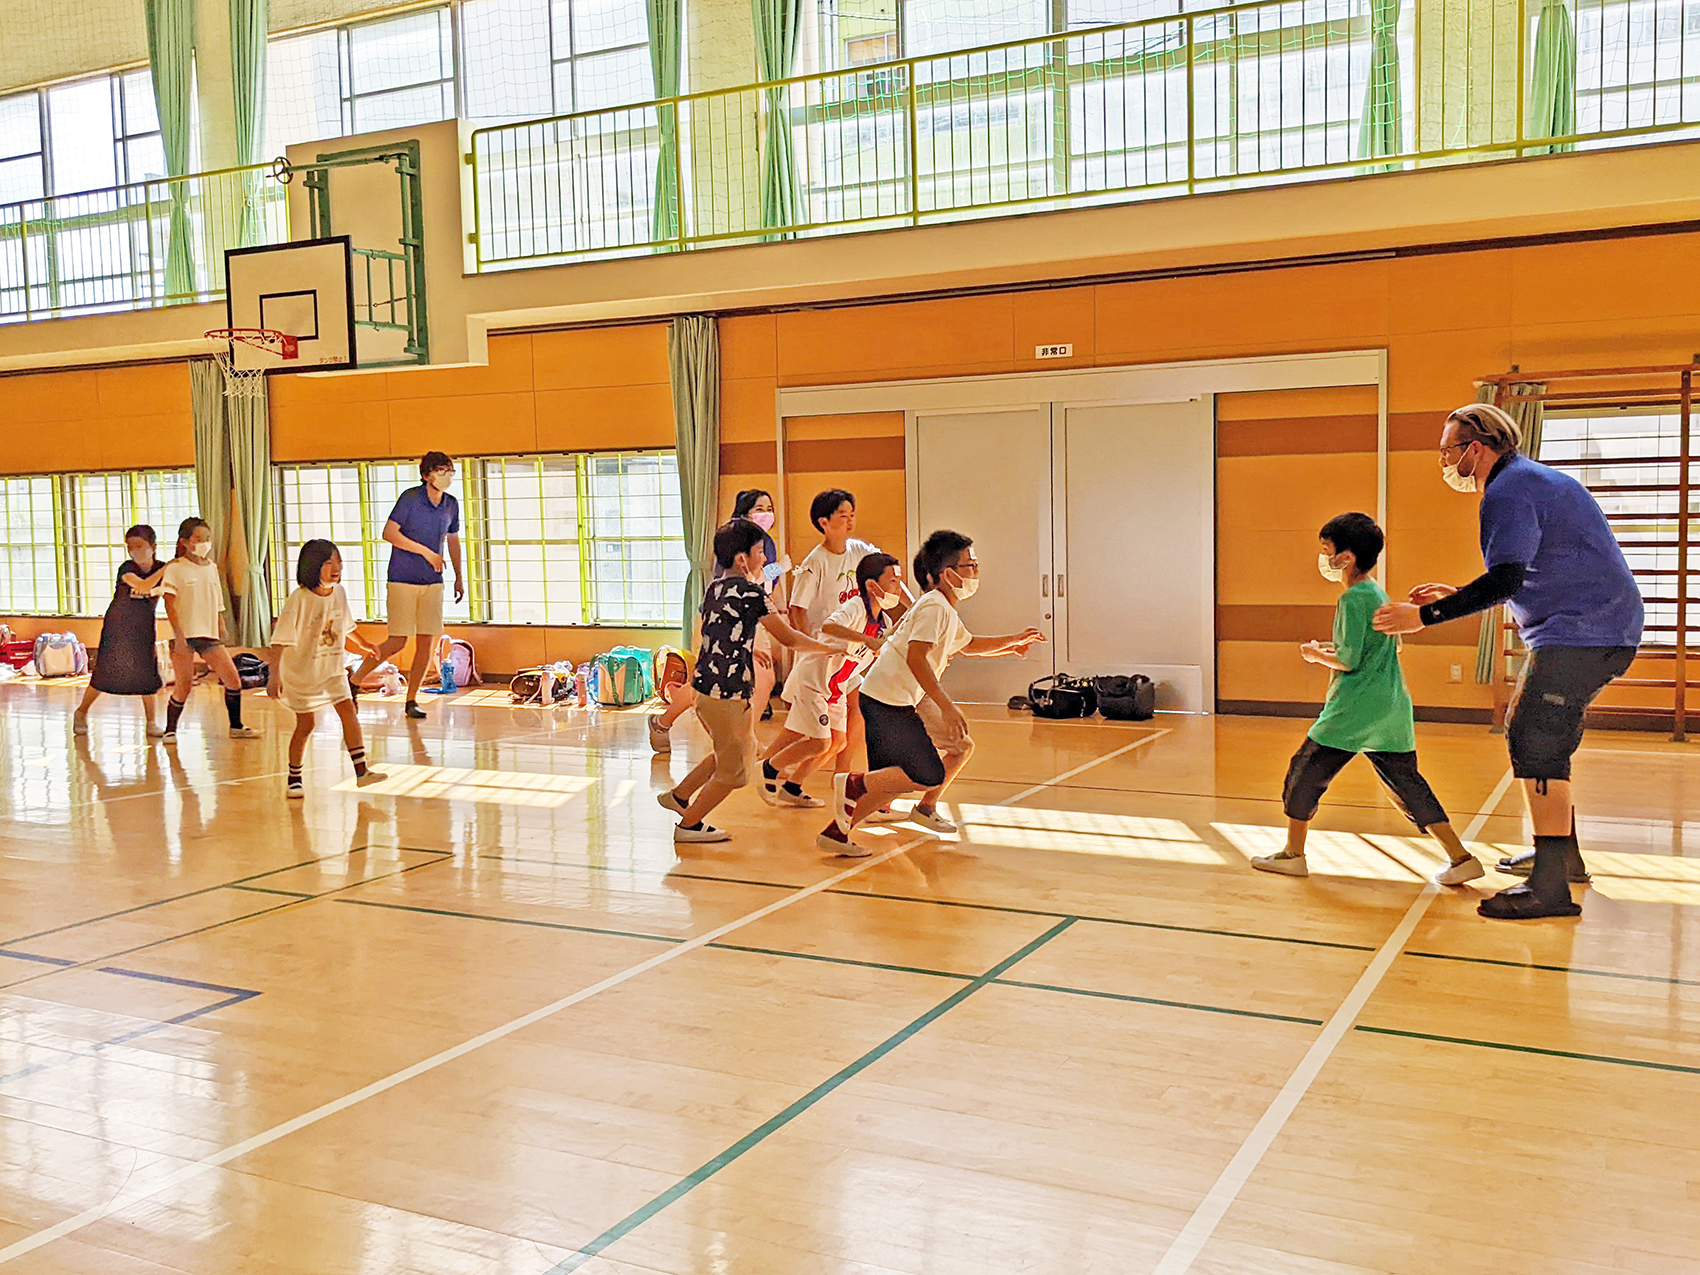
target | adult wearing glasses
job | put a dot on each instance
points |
(424, 524)
(1551, 556)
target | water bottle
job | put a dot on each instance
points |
(448, 679)
(582, 685)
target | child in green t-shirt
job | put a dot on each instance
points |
(1368, 710)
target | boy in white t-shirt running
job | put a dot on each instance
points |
(307, 670)
(902, 757)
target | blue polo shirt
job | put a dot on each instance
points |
(1578, 590)
(427, 524)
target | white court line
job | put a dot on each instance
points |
(124, 1199)
(1205, 1218)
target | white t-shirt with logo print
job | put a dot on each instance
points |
(826, 581)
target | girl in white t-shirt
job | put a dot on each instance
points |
(307, 672)
(902, 757)
(194, 601)
(821, 687)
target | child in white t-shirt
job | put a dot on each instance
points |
(826, 579)
(821, 687)
(902, 757)
(307, 671)
(194, 600)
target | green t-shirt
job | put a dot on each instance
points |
(1368, 708)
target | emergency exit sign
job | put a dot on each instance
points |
(1052, 351)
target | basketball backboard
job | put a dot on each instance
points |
(304, 289)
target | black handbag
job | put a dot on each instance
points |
(1062, 697)
(251, 671)
(1126, 699)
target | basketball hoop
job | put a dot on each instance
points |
(243, 382)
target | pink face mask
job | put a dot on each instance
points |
(762, 519)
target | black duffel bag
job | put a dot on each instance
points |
(251, 671)
(1126, 699)
(1062, 697)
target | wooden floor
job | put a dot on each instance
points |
(481, 1018)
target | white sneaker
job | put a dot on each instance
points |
(888, 815)
(931, 820)
(1286, 865)
(670, 802)
(843, 809)
(294, 790)
(169, 736)
(796, 800)
(1459, 873)
(660, 738)
(369, 778)
(693, 836)
(155, 731)
(832, 841)
(79, 725)
(244, 732)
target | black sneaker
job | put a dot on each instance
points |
(414, 711)
(1520, 903)
(1522, 863)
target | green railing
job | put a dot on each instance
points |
(138, 246)
(1219, 98)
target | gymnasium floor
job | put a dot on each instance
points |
(480, 1018)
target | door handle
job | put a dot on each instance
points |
(1044, 586)
(1059, 584)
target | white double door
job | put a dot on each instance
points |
(1094, 523)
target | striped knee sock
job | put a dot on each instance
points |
(358, 757)
(294, 775)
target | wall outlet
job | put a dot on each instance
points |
(1457, 672)
(1053, 351)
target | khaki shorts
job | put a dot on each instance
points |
(933, 719)
(727, 722)
(416, 610)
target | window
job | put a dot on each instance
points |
(29, 550)
(553, 57)
(568, 539)
(103, 507)
(1636, 63)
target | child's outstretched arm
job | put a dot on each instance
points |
(785, 635)
(988, 647)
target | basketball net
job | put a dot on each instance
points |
(246, 382)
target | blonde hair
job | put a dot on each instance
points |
(1489, 425)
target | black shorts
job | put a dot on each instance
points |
(200, 646)
(1314, 766)
(898, 737)
(1543, 725)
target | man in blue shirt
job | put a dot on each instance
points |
(1551, 556)
(424, 522)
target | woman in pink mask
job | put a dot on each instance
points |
(757, 506)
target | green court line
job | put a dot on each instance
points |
(839, 960)
(1558, 969)
(1533, 1049)
(510, 920)
(260, 889)
(1152, 1000)
(756, 1136)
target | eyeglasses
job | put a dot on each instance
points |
(1456, 447)
(966, 568)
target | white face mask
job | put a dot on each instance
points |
(887, 600)
(964, 587)
(1329, 571)
(1457, 481)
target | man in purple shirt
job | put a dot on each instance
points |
(424, 523)
(1552, 559)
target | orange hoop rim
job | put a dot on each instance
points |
(280, 343)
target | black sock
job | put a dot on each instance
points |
(1550, 877)
(358, 757)
(792, 788)
(768, 771)
(692, 827)
(233, 706)
(294, 775)
(173, 710)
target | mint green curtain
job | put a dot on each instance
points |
(693, 356)
(1530, 416)
(249, 20)
(212, 461)
(1382, 128)
(665, 26)
(776, 26)
(250, 443)
(171, 57)
(1552, 78)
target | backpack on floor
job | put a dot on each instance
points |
(672, 668)
(1062, 697)
(60, 655)
(251, 670)
(456, 655)
(547, 684)
(1126, 699)
(623, 677)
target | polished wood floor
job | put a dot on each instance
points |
(482, 1018)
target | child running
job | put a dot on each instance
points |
(821, 687)
(126, 663)
(305, 656)
(902, 757)
(194, 601)
(1368, 710)
(734, 609)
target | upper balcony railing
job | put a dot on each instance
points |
(1219, 98)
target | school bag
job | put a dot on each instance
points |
(547, 684)
(1126, 699)
(623, 676)
(251, 670)
(60, 655)
(456, 655)
(672, 668)
(1062, 697)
